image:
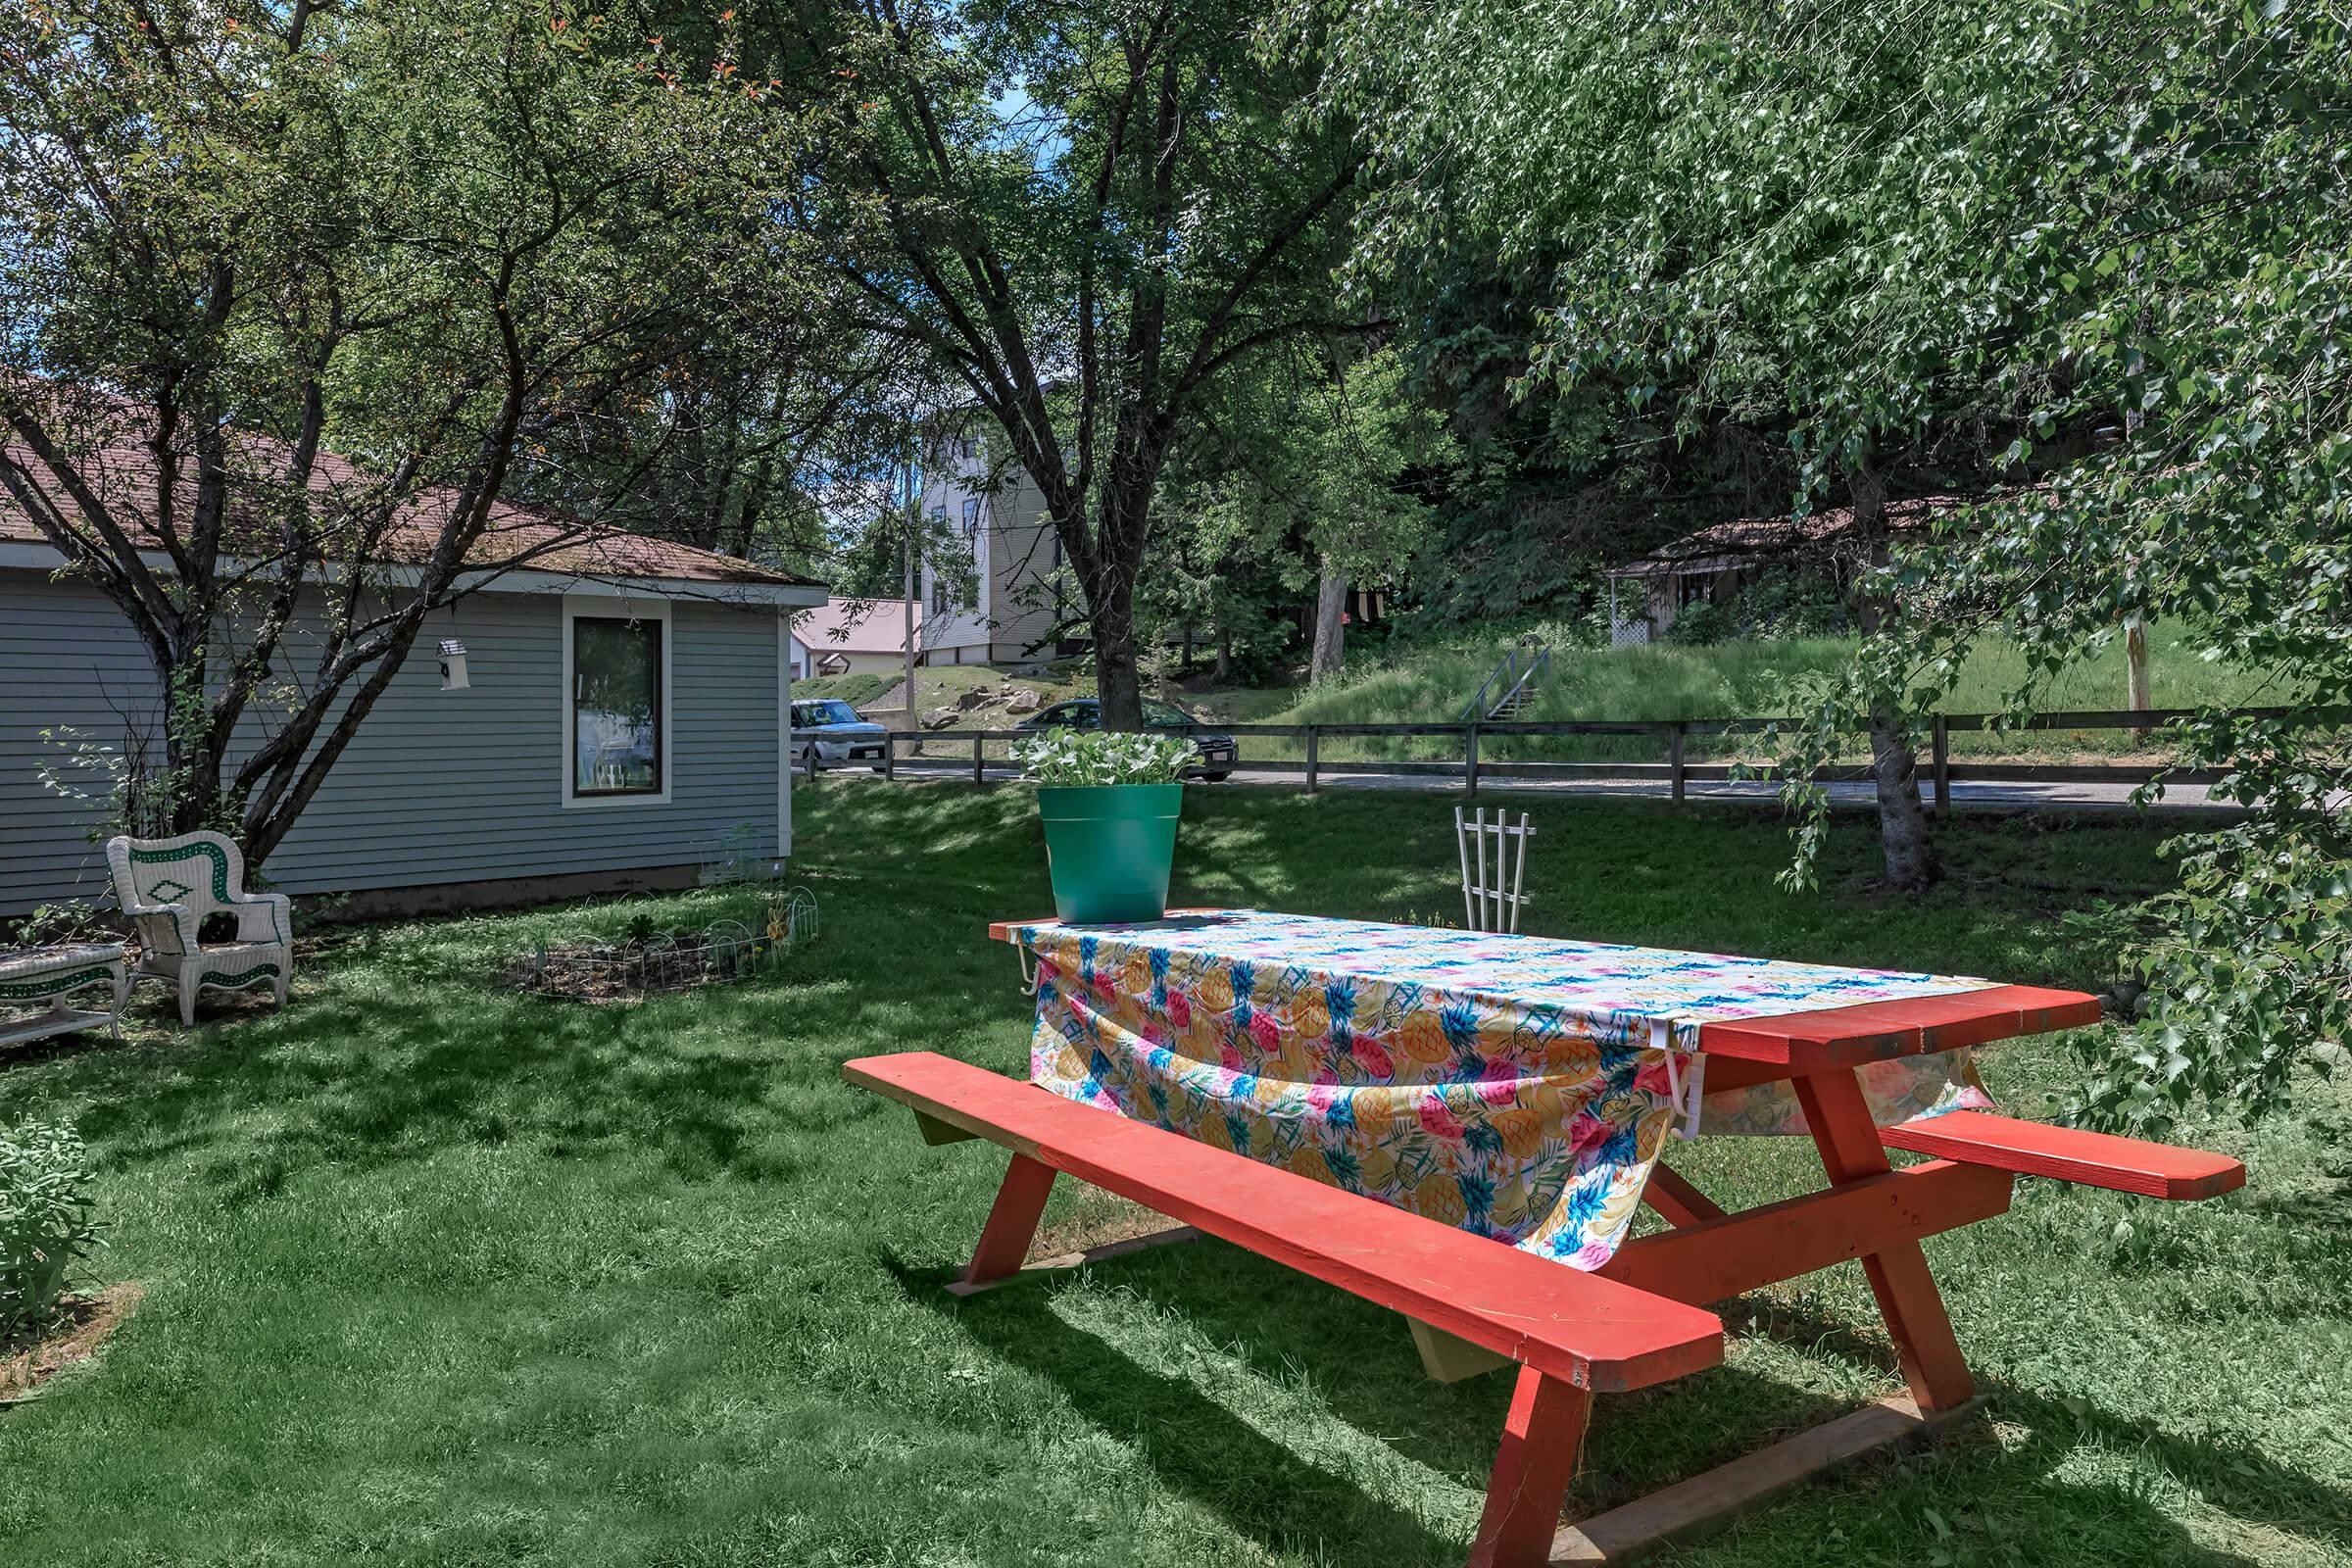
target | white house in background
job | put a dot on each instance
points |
(1006, 610)
(851, 636)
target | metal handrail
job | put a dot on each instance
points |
(1508, 669)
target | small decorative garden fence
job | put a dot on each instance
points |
(645, 961)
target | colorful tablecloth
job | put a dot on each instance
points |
(1516, 1086)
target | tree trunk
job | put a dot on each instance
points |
(191, 772)
(1224, 653)
(1118, 684)
(1904, 838)
(1331, 610)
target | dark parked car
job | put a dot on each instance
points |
(1218, 754)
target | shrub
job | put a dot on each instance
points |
(62, 923)
(1792, 603)
(45, 1219)
(1702, 624)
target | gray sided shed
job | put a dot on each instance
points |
(444, 798)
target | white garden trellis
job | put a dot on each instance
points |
(1492, 896)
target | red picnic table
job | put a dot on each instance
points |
(1459, 1126)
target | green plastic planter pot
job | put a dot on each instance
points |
(1110, 848)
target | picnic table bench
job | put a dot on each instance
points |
(1637, 1318)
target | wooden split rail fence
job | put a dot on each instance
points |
(955, 753)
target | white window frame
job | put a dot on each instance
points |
(618, 607)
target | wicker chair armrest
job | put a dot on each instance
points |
(163, 927)
(137, 911)
(264, 916)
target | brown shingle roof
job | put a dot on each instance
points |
(122, 473)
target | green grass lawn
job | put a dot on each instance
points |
(438, 1274)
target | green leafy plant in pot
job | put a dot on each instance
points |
(1109, 803)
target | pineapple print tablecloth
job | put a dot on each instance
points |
(1516, 1086)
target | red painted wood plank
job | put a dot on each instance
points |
(1003, 930)
(1706, 1503)
(1922, 1331)
(1593, 1333)
(1671, 1193)
(1727, 1073)
(1542, 1438)
(1012, 1222)
(1871, 1030)
(2091, 1159)
(1717, 1258)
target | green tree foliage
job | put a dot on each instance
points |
(1087, 216)
(454, 242)
(1746, 218)
(1301, 469)
(2106, 250)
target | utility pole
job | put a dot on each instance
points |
(2135, 668)
(910, 507)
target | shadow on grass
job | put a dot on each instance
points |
(2235, 1478)
(1193, 1445)
(1970, 1497)
(417, 1048)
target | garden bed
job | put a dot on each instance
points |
(644, 960)
(82, 1325)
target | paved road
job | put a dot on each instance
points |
(1967, 794)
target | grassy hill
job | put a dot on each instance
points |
(937, 686)
(1434, 682)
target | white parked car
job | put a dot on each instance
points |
(832, 729)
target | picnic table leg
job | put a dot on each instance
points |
(1671, 1193)
(1012, 1222)
(1851, 1152)
(1542, 1437)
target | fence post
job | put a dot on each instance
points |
(1941, 753)
(978, 777)
(890, 757)
(1674, 758)
(1312, 737)
(1470, 760)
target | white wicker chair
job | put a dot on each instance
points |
(168, 886)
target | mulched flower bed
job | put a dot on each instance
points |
(82, 1324)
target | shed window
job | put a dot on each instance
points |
(617, 718)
